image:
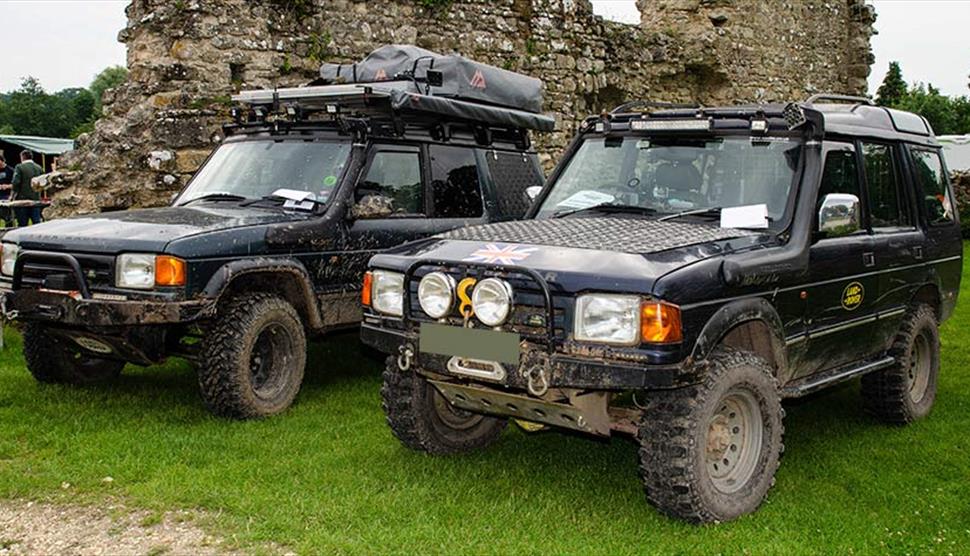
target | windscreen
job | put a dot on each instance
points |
(676, 175)
(255, 169)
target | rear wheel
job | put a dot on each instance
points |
(906, 391)
(422, 419)
(709, 452)
(253, 357)
(53, 359)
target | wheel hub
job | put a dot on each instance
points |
(920, 365)
(269, 357)
(734, 440)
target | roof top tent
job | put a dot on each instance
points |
(407, 81)
(45, 149)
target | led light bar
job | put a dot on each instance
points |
(671, 125)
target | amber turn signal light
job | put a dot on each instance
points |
(169, 271)
(660, 323)
(365, 290)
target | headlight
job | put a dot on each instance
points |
(9, 258)
(611, 319)
(143, 271)
(135, 270)
(387, 294)
(492, 301)
(436, 293)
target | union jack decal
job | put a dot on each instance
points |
(502, 254)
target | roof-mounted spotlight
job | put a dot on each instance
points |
(759, 123)
(693, 124)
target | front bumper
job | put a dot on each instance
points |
(69, 309)
(561, 370)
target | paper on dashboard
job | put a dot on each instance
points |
(747, 216)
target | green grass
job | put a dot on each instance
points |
(327, 476)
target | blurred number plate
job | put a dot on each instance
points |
(469, 343)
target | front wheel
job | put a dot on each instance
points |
(422, 419)
(253, 357)
(52, 359)
(709, 452)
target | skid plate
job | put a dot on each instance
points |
(484, 400)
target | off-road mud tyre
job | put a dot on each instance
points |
(421, 418)
(53, 359)
(906, 391)
(253, 357)
(682, 440)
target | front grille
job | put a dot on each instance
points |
(98, 271)
(529, 315)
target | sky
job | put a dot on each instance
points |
(65, 43)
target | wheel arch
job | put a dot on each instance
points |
(285, 277)
(929, 294)
(749, 324)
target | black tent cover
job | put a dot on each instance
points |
(464, 79)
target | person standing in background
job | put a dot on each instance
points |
(6, 181)
(22, 191)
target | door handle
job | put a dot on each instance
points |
(869, 259)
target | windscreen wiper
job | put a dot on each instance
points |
(608, 207)
(222, 196)
(709, 211)
(281, 198)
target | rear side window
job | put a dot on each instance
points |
(887, 207)
(513, 174)
(455, 188)
(933, 186)
(841, 174)
(395, 176)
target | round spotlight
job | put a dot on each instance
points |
(436, 294)
(492, 301)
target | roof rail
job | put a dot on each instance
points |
(839, 98)
(626, 107)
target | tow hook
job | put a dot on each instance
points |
(538, 383)
(5, 314)
(405, 357)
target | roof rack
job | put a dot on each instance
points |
(385, 98)
(814, 99)
(626, 107)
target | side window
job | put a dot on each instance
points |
(933, 186)
(455, 188)
(392, 184)
(840, 174)
(887, 207)
(512, 175)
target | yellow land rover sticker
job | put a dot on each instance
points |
(852, 296)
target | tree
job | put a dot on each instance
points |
(109, 78)
(31, 111)
(893, 87)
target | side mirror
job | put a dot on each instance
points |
(533, 192)
(839, 214)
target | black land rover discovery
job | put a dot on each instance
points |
(267, 243)
(683, 272)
